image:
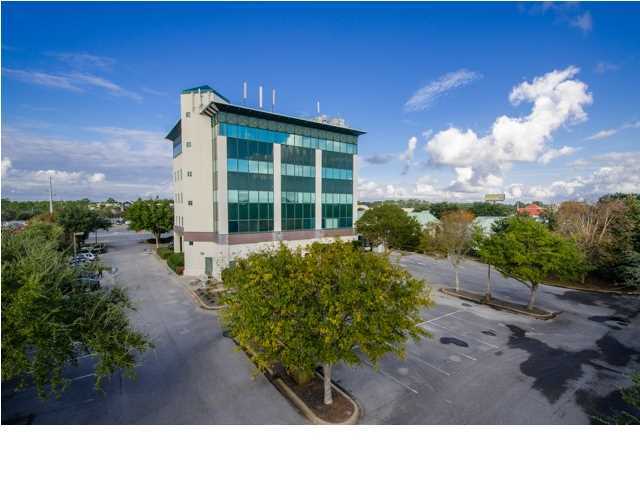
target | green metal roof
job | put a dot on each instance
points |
(205, 88)
(424, 217)
(175, 131)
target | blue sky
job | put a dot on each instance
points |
(539, 101)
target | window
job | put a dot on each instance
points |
(188, 144)
(188, 173)
(249, 128)
(337, 190)
(250, 184)
(188, 114)
(190, 203)
(190, 243)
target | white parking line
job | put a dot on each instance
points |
(416, 357)
(385, 374)
(82, 377)
(467, 336)
(438, 318)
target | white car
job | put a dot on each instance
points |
(87, 256)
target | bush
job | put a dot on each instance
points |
(164, 252)
(175, 260)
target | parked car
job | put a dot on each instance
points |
(94, 248)
(87, 256)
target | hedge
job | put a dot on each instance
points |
(175, 260)
(164, 252)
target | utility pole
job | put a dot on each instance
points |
(50, 196)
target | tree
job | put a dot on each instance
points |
(390, 226)
(453, 238)
(155, 216)
(76, 217)
(527, 251)
(305, 309)
(49, 319)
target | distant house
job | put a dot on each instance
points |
(425, 218)
(486, 223)
(531, 210)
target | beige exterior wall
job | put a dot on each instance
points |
(194, 259)
(197, 159)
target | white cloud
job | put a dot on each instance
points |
(97, 178)
(602, 134)
(554, 153)
(114, 148)
(74, 82)
(406, 156)
(34, 184)
(425, 96)
(604, 67)
(557, 100)
(83, 60)
(622, 174)
(6, 166)
(583, 22)
(608, 133)
(41, 78)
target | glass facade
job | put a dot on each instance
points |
(177, 146)
(337, 190)
(250, 185)
(250, 128)
(298, 188)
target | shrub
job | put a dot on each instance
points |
(164, 252)
(175, 260)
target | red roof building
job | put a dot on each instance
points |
(531, 210)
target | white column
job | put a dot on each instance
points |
(223, 199)
(277, 187)
(318, 189)
(354, 176)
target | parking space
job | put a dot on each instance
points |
(485, 366)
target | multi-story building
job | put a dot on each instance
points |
(247, 179)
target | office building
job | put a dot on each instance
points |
(247, 179)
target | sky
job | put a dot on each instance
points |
(537, 101)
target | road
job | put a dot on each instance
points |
(483, 366)
(194, 375)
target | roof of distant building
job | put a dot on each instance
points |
(424, 217)
(532, 210)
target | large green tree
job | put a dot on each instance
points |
(77, 217)
(526, 250)
(155, 216)
(48, 319)
(321, 307)
(388, 225)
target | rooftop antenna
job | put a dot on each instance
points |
(318, 107)
(50, 196)
(273, 99)
(260, 96)
(244, 93)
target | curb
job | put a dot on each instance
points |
(590, 290)
(311, 416)
(547, 316)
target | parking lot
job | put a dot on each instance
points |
(483, 366)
